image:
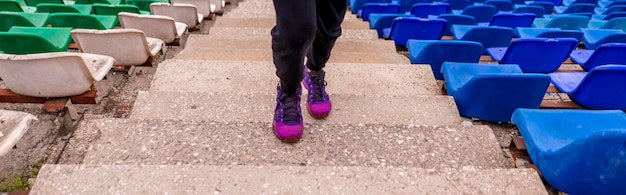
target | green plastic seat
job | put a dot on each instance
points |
(37, 2)
(55, 8)
(15, 6)
(91, 2)
(17, 42)
(9, 19)
(60, 37)
(104, 9)
(86, 21)
(143, 5)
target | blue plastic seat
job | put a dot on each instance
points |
(511, 20)
(615, 23)
(423, 10)
(407, 5)
(535, 55)
(611, 3)
(457, 4)
(501, 5)
(564, 22)
(554, 2)
(609, 10)
(600, 88)
(382, 21)
(609, 16)
(575, 8)
(548, 33)
(356, 5)
(405, 28)
(488, 36)
(382, 8)
(609, 53)
(548, 7)
(492, 92)
(481, 13)
(456, 19)
(574, 2)
(576, 151)
(593, 38)
(10, 19)
(533, 9)
(436, 52)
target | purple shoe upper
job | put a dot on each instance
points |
(287, 123)
(317, 102)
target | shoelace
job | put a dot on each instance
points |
(318, 83)
(290, 107)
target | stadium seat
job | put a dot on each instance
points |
(501, 5)
(54, 8)
(575, 8)
(407, 5)
(593, 38)
(34, 3)
(535, 55)
(596, 89)
(548, 7)
(76, 20)
(15, 6)
(574, 2)
(184, 13)
(511, 20)
(204, 7)
(548, 33)
(161, 27)
(356, 5)
(113, 10)
(609, 16)
(532, 9)
(423, 10)
(92, 2)
(405, 28)
(381, 21)
(492, 92)
(30, 40)
(615, 23)
(609, 10)
(576, 151)
(382, 8)
(143, 5)
(56, 74)
(435, 52)
(10, 19)
(127, 46)
(455, 19)
(564, 22)
(481, 13)
(609, 53)
(488, 36)
(605, 4)
(457, 4)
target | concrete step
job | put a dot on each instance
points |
(173, 142)
(266, 55)
(269, 22)
(246, 106)
(379, 46)
(158, 179)
(263, 33)
(260, 77)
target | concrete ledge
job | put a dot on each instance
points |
(347, 108)
(266, 55)
(125, 179)
(208, 142)
(259, 76)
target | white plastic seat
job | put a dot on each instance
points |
(204, 7)
(50, 75)
(160, 27)
(185, 13)
(127, 46)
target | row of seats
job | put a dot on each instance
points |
(205, 7)
(577, 151)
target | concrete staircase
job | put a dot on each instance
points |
(205, 127)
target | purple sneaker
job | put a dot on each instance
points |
(287, 124)
(317, 100)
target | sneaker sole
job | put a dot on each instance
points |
(287, 140)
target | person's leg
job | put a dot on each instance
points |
(291, 38)
(330, 14)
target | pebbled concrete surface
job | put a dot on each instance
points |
(130, 141)
(252, 33)
(256, 76)
(69, 179)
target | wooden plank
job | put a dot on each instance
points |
(553, 89)
(55, 105)
(486, 58)
(557, 104)
(447, 38)
(86, 98)
(9, 96)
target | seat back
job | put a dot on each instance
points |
(423, 10)
(436, 52)
(553, 2)
(75, 20)
(609, 53)
(407, 5)
(202, 6)
(568, 22)
(455, 19)
(379, 8)
(54, 8)
(10, 5)
(495, 96)
(548, 7)
(612, 38)
(143, 5)
(602, 89)
(580, 8)
(106, 42)
(356, 5)
(490, 36)
(614, 15)
(562, 34)
(501, 5)
(405, 28)
(615, 8)
(58, 74)
(25, 43)
(160, 27)
(104, 9)
(593, 2)
(184, 13)
(91, 2)
(37, 2)
(615, 23)
(10, 19)
(457, 4)
(533, 9)
(481, 13)
(512, 20)
(578, 151)
(539, 55)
